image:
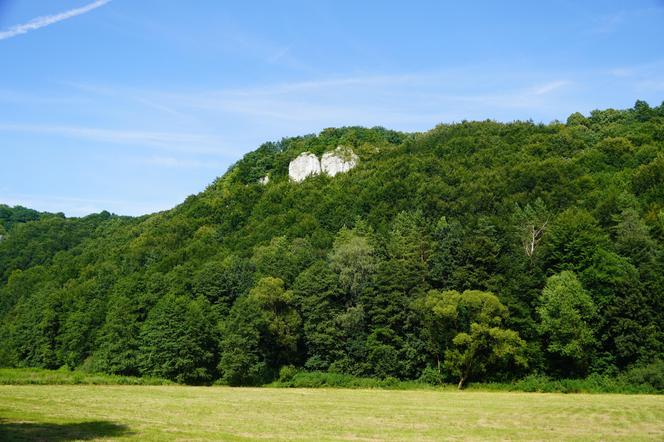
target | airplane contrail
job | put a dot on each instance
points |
(46, 20)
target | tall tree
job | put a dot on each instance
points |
(468, 328)
(567, 322)
(118, 339)
(353, 260)
(260, 335)
(178, 340)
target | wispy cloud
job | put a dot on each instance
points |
(405, 101)
(610, 23)
(647, 78)
(549, 87)
(180, 163)
(409, 101)
(46, 20)
(176, 141)
(115, 93)
(267, 50)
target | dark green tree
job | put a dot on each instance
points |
(118, 339)
(178, 340)
(260, 335)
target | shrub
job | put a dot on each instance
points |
(431, 376)
(651, 375)
(287, 373)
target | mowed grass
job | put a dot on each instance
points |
(91, 412)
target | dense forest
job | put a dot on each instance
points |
(476, 251)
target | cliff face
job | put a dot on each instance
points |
(340, 160)
(306, 164)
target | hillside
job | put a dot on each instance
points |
(474, 251)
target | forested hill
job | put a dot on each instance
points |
(474, 251)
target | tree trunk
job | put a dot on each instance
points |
(462, 381)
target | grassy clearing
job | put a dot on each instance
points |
(84, 412)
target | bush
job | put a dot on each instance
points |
(642, 380)
(431, 376)
(646, 379)
(651, 375)
(319, 379)
(38, 376)
(287, 373)
(536, 383)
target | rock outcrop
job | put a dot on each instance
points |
(341, 160)
(305, 165)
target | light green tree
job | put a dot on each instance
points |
(352, 258)
(468, 329)
(566, 313)
(474, 353)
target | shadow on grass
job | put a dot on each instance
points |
(41, 431)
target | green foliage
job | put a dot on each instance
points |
(317, 379)
(467, 327)
(572, 240)
(651, 375)
(118, 339)
(38, 376)
(567, 319)
(282, 258)
(353, 259)
(628, 328)
(287, 373)
(594, 383)
(10, 216)
(431, 376)
(260, 335)
(334, 274)
(474, 353)
(178, 340)
(222, 282)
(531, 223)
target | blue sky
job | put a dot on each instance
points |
(130, 106)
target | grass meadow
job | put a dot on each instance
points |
(170, 412)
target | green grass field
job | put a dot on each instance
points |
(91, 412)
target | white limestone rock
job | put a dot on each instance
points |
(305, 165)
(340, 160)
(264, 180)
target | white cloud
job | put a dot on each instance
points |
(46, 20)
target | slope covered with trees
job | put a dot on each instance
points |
(475, 251)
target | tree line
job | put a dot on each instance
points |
(477, 251)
